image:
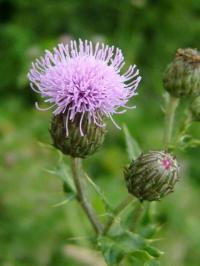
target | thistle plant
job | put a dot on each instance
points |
(84, 85)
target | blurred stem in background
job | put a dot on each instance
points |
(171, 105)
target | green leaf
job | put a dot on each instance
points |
(152, 263)
(154, 252)
(116, 247)
(112, 253)
(149, 213)
(142, 255)
(133, 147)
(149, 230)
(130, 242)
(133, 261)
(63, 172)
(125, 246)
(140, 258)
(102, 196)
(69, 198)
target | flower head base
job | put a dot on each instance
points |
(152, 176)
(84, 79)
(73, 144)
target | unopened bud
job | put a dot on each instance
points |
(152, 175)
(182, 75)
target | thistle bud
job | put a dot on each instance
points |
(152, 175)
(182, 76)
(70, 141)
(195, 108)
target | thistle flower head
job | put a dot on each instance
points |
(152, 176)
(84, 79)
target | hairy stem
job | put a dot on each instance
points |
(117, 211)
(79, 183)
(169, 119)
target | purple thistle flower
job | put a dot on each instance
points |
(84, 78)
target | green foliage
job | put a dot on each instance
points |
(126, 245)
(133, 148)
(100, 193)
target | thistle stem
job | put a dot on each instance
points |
(117, 211)
(79, 183)
(171, 106)
(138, 212)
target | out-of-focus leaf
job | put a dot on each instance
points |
(138, 258)
(149, 230)
(64, 173)
(133, 261)
(112, 253)
(154, 252)
(133, 147)
(130, 242)
(152, 263)
(115, 248)
(69, 197)
(186, 141)
(102, 196)
(125, 245)
(142, 255)
(149, 215)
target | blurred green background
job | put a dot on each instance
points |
(32, 231)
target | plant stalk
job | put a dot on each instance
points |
(138, 212)
(171, 106)
(79, 183)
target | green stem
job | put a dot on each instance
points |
(78, 176)
(117, 211)
(184, 127)
(169, 119)
(138, 212)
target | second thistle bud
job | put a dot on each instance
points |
(152, 176)
(71, 142)
(182, 75)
